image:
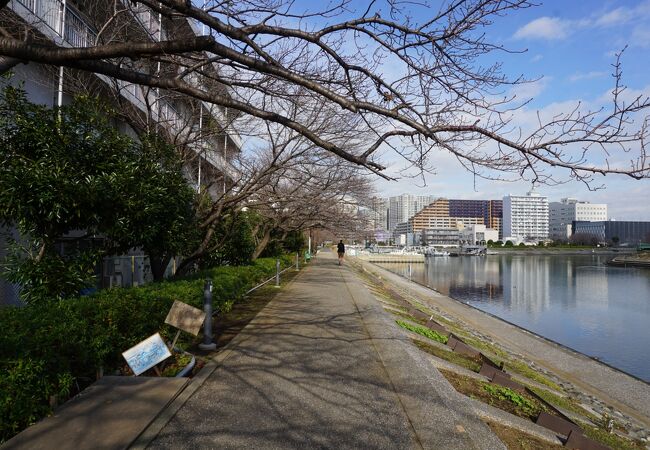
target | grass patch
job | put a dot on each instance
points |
(483, 346)
(423, 331)
(408, 317)
(455, 358)
(564, 403)
(518, 440)
(500, 397)
(612, 440)
(532, 374)
(511, 365)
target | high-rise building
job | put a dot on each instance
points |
(379, 214)
(525, 217)
(402, 207)
(563, 213)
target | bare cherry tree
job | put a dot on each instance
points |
(411, 74)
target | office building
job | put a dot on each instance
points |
(562, 214)
(623, 232)
(478, 235)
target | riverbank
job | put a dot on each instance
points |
(638, 260)
(600, 388)
(566, 251)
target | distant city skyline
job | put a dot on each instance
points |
(568, 49)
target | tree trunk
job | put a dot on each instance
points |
(158, 266)
(261, 245)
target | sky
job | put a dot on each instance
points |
(570, 47)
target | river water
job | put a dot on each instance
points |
(577, 301)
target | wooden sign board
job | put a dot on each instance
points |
(146, 354)
(185, 317)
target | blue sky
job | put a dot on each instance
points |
(571, 45)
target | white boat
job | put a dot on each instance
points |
(433, 252)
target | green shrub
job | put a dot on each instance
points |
(504, 393)
(45, 348)
(426, 332)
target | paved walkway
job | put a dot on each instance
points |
(322, 366)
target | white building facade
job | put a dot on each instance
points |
(525, 217)
(402, 207)
(478, 235)
(567, 210)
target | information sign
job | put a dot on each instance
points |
(185, 317)
(146, 354)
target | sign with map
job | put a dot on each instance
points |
(146, 354)
(185, 317)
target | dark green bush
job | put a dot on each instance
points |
(45, 348)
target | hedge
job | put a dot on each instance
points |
(47, 349)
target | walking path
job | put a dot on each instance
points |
(322, 366)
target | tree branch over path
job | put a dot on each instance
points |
(418, 85)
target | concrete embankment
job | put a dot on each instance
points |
(642, 261)
(561, 251)
(629, 395)
(392, 258)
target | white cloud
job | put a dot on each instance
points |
(536, 58)
(618, 16)
(640, 37)
(555, 28)
(549, 28)
(526, 91)
(587, 76)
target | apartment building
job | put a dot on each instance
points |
(525, 217)
(379, 214)
(563, 213)
(405, 206)
(438, 214)
(490, 210)
(205, 132)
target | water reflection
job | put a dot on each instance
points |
(575, 300)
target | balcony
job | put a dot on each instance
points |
(77, 33)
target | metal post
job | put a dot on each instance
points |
(207, 324)
(410, 271)
(297, 260)
(277, 273)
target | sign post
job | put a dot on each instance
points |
(207, 323)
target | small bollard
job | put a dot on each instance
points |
(207, 324)
(410, 271)
(297, 261)
(277, 273)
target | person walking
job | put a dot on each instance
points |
(340, 249)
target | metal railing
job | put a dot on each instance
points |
(47, 10)
(78, 32)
